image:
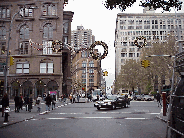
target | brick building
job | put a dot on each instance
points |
(37, 67)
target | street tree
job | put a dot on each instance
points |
(124, 4)
(161, 67)
(130, 76)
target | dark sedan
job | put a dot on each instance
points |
(112, 101)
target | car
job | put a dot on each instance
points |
(138, 97)
(112, 101)
(147, 98)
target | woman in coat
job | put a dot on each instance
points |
(38, 103)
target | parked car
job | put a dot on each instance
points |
(138, 97)
(147, 98)
(112, 101)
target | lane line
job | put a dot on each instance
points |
(60, 118)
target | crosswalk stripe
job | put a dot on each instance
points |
(60, 118)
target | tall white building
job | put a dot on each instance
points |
(82, 37)
(148, 24)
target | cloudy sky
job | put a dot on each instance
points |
(92, 14)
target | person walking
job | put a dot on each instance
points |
(48, 102)
(26, 101)
(53, 102)
(5, 103)
(70, 97)
(73, 98)
(159, 99)
(30, 103)
(78, 97)
(16, 99)
(38, 103)
(21, 102)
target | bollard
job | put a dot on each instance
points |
(6, 114)
(164, 103)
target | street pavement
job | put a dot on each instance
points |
(24, 115)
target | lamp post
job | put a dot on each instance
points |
(6, 66)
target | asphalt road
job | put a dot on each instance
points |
(82, 120)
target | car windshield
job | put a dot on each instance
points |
(112, 97)
(147, 96)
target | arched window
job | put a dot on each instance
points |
(2, 33)
(48, 31)
(24, 33)
(24, 40)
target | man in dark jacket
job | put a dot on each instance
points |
(5, 103)
(16, 99)
(48, 100)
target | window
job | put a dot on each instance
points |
(91, 70)
(22, 68)
(83, 71)
(47, 47)
(84, 64)
(84, 54)
(46, 67)
(2, 46)
(83, 75)
(49, 10)
(91, 80)
(91, 76)
(23, 48)
(26, 12)
(91, 64)
(24, 32)
(4, 12)
(65, 27)
(2, 33)
(48, 31)
(131, 54)
(123, 54)
(83, 80)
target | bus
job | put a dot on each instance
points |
(97, 93)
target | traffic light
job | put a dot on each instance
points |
(11, 60)
(105, 73)
(145, 63)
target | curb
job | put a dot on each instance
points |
(164, 120)
(5, 124)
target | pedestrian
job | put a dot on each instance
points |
(5, 103)
(70, 97)
(30, 103)
(78, 97)
(159, 99)
(26, 101)
(38, 103)
(53, 102)
(16, 99)
(21, 102)
(48, 102)
(73, 98)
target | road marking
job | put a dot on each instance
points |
(60, 118)
(136, 118)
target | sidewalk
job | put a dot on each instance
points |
(161, 117)
(24, 115)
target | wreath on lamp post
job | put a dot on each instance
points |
(140, 38)
(97, 56)
(57, 42)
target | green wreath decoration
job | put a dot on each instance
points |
(97, 56)
(57, 42)
(140, 38)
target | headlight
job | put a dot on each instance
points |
(109, 102)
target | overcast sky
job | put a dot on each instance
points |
(92, 14)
